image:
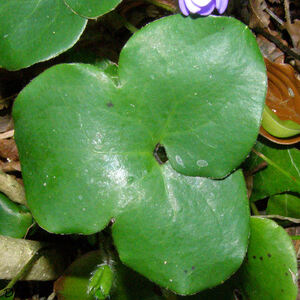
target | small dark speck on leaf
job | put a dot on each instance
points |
(254, 257)
(185, 271)
(193, 267)
(261, 258)
(286, 274)
(269, 255)
(109, 104)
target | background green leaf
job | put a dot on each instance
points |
(92, 8)
(284, 205)
(270, 180)
(14, 219)
(32, 31)
(270, 268)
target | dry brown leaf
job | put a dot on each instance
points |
(258, 17)
(8, 150)
(15, 253)
(269, 49)
(294, 32)
(6, 123)
(10, 166)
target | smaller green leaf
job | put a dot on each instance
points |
(113, 277)
(277, 127)
(14, 219)
(101, 282)
(284, 205)
(91, 8)
(9, 295)
(270, 268)
(34, 31)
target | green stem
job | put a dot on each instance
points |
(254, 209)
(169, 295)
(125, 23)
(162, 5)
(24, 270)
(295, 237)
(273, 164)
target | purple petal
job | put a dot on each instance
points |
(201, 3)
(221, 5)
(183, 8)
(208, 9)
(191, 6)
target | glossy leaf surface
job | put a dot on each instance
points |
(91, 157)
(127, 285)
(92, 8)
(34, 31)
(270, 180)
(270, 269)
(284, 205)
(14, 219)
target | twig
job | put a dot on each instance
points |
(273, 164)
(275, 17)
(24, 270)
(254, 209)
(294, 220)
(287, 11)
(274, 40)
(7, 134)
(162, 5)
(52, 296)
(12, 188)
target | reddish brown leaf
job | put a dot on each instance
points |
(8, 150)
(283, 96)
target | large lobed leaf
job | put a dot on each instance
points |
(86, 138)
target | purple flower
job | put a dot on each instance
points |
(202, 7)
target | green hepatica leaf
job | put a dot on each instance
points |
(86, 139)
(284, 205)
(270, 269)
(92, 8)
(183, 230)
(14, 219)
(32, 31)
(271, 180)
